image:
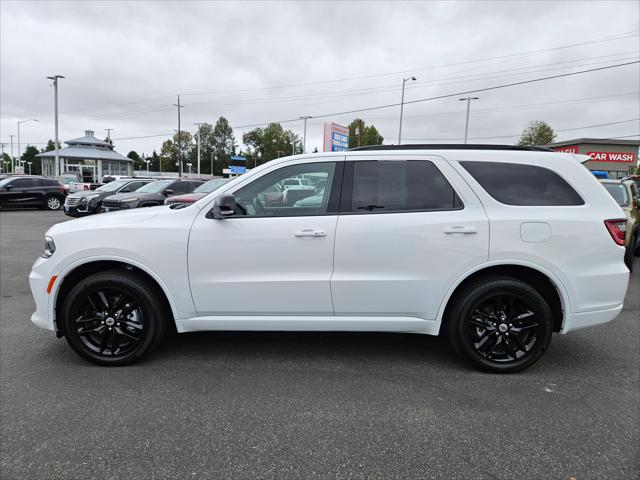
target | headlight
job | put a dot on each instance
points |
(49, 247)
(128, 200)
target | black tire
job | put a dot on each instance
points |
(53, 202)
(629, 252)
(493, 341)
(114, 318)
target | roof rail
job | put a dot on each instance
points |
(452, 146)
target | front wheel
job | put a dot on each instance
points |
(113, 318)
(500, 324)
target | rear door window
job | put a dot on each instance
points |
(400, 186)
(22, 183)
(181, 187)
(522, 185)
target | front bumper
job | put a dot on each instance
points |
(38, 282)
(115, 208)
(79, 210)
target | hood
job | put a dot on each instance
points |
(141, 196)
(123, 217)
(86, 193)
(188, 197)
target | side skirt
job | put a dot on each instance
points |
(310, 324)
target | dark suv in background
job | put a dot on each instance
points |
(90, 201)
(32, 192)
(150, 195)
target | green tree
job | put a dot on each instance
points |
(51, 146)
(5, 162)
(271, 142)
(169, 152)
(368, 134)
(29, 155)
(537, 133)
(138, 164)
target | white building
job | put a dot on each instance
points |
(91, 157)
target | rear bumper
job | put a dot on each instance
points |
(576, 321)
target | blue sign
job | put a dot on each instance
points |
(339, 141)
(237, 169)
(239, 158)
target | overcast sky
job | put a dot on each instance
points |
(254, 63)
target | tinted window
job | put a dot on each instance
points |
(181, 187)
(400, 186)
(522, 185)
(22, 183)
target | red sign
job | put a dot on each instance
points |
(617, 157)
(566, 149)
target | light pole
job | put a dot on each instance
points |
(189, 164)
(55, 78)
(357, 133)
(29, 167)
(23, 121)
(179, 137)
(304, 135)
(147, 161)
(404, 81)
(13, 160)
(466, 125)
(198, 125)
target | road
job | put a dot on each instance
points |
(308, 405)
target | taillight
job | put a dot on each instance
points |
(618, 229)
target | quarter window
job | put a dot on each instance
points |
(523, 185)
(400, 186)
(295, 190)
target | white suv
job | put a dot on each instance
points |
(495, 247)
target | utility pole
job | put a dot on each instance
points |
(212, 164)
(108, 130)
(55, 78)
(404, 80)
(13, 160)
(304, 135)
(179, 138)
(198, 125)
(466, 125)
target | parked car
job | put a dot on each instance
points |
(73, 182)
(200, 192)
(31, 191)
(627, 194)
(150, 195)
(494, 247)
(89, 202)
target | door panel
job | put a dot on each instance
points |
(275, 256)
(404, 263)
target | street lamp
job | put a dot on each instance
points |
(23, 121)
(404, 81)
(29, 167)
(55, 78)
(357, 133)
(466, 125)
(199, 132)
(189, 165)
(304, 135)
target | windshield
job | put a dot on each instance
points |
(211, 185)
(68, 178)
(112, 186)
(618, 192)
(155, 187)
(5, 181)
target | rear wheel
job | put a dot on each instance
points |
(113, 318)
(52, 202)
(500, 324)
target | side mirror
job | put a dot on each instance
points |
(8, 187)
(223, 206)
(168, 192)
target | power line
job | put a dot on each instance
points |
(584, 127)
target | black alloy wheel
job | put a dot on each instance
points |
(501, 324)
(113, 318)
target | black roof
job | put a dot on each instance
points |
(452, 146)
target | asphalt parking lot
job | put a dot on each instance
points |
(308, 405)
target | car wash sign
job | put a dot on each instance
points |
(336, 138)
(614, 157)
(569, 149)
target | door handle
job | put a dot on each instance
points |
(460, 229)
(310, 232)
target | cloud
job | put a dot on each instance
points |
(126, 61)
